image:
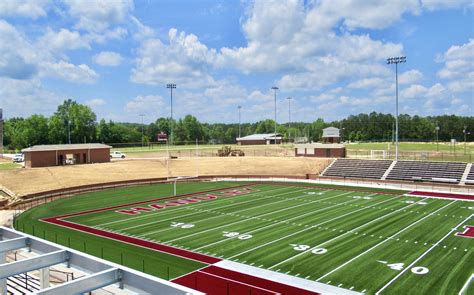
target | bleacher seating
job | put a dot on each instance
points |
(444, 172)
(470, 176)
(358, 168)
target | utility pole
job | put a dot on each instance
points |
(437, 137)
(396, 61)
(171, 87)
(239, 107)
(142, 115)
(465, 133)
(289, 118)
(274, 135)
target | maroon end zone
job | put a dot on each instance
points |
(442, 195)
(215, 280)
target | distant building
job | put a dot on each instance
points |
(66, 154)
(331, 135)
(268, 138)
(320, 150)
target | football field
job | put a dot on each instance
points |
(359, 240)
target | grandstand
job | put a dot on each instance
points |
(442, 172)
(450, 172)
(358, 168)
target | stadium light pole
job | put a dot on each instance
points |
(142, 115)
(171, 87)
(437, 138)
(465, 133)
(239, 107)
(289, 117)
(275, 92)
(396, 60)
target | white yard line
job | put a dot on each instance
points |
(311, 227)
(240, 221)
(386, 240)
(422, 255)
(175, 217)
(220, 215)
(278, 222)
(466, 285)
(192, 204)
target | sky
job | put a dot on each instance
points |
(328, 56)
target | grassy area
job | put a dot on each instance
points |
(9, 166)
(412, 146)
(356, 240)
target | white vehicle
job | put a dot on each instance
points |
(18, 158)
(118, 155)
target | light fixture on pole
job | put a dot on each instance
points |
(465, 134)
(437, 137)
(171, 87)
(396, 61)
(289, 117)
(275, 134)
(239, 107)
(142, 115)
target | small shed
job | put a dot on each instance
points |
(267, 138)
(331, 135)
(320, 150)
(66, 154)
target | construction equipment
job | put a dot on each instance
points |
(227, 151)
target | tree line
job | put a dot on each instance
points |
(77, 123)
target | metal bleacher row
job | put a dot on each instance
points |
(449, 172)
(358, 168)
(444, 172)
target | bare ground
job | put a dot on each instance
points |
(25, 181)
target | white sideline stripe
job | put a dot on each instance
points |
(466, 285)
(439, 198)
(195, 204)
(174, 217)
(283, 221)
(303, 230)
(283, 278)
(239, 282)
(240, 221)
(387, 239)
(310, 249)
(422, 255)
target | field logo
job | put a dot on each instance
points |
(468, 233)
(194, 199)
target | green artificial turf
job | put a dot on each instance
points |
(342, 237)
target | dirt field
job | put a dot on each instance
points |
(24, 181)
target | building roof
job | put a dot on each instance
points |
(320, 146)
(263, 136)
(330, 132)
(65, 147)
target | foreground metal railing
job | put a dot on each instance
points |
(99, 273)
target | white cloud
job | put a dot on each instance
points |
(18, 59)
(368, 83)
(108, 58)
(184, 61)
(63, 40)
(410, 77)
(96, 102)
(26, 97)
(24, 8)
(458, 67)
(147, 104)
(421, 92)
(440, 4)
(70, 72)
(100, 15)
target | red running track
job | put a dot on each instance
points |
(134, 241)
(215, 280)
(442, 195)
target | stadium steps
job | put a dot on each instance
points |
(468, 176)
(329, 166)
(388, 170)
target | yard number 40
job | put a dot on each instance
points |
(419, 270)
(181, 225)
